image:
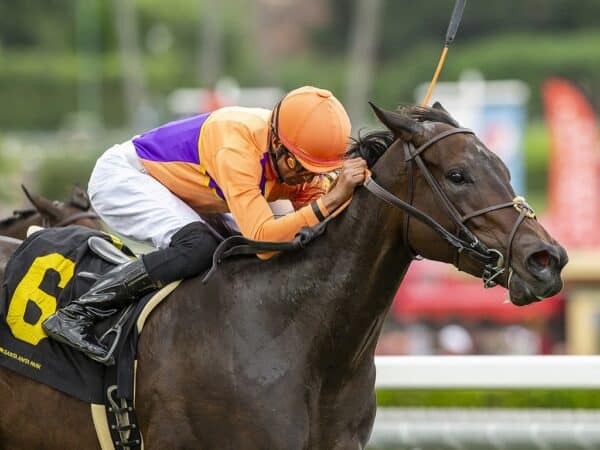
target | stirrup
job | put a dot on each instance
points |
(107, 251)
(108, 359)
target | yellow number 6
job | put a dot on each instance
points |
(28, 290)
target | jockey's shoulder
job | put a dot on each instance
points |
(249, 116)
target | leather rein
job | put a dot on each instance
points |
(494, 261)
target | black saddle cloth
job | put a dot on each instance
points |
(41, 276)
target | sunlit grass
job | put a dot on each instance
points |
(523, 398)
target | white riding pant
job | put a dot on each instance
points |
(134, 204)
(137, 206)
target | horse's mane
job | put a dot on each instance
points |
(373, 144)
(370, 146)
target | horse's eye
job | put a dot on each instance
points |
(456, 176)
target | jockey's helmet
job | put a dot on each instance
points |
(314, 126)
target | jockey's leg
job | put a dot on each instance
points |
(137, 206)
(189, 254)
(73, 324)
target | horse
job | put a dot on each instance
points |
(48, 213)
(279, 354)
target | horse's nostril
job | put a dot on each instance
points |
(543, 264)
(541, 259)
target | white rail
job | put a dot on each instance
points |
(485, 429)
(488, 372)
(481, 429)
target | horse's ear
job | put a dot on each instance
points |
(43, 205)
(438, 105)
(80, 198)
(402, 126)
(29, 196)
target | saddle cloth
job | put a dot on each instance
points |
(41, 276)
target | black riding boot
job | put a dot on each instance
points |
(73, 324)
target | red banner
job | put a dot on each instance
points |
(574, 184)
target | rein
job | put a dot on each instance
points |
(495, 263)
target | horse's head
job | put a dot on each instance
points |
(453, 180)
(55, 213)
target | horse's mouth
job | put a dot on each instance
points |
(523, 293)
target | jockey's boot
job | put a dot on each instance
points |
(119, 287)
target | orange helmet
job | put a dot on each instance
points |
(314, 126)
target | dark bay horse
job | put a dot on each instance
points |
(279, 354)
(48, 213)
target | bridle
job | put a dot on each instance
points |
(274, 154)
(495, 263)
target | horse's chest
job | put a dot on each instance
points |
(343, 413)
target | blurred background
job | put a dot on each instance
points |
(79, 76)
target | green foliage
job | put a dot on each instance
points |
(570, 55)
(406, 25)
(42, 67)
(306, 70)
(39, 88)
(67, 159)
(490, 398)
(26, 23)
(57, 175)
(537, 155)
(7, 167)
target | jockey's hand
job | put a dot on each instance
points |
(352, 174)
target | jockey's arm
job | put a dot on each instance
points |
(239, 177)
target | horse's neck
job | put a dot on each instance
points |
(17, 227)
(337, 290)
(363, 263)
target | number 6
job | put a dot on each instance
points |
(28, 290)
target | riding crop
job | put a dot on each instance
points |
(455, 19)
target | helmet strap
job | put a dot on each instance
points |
(273, 135)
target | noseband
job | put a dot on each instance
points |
(494, 261)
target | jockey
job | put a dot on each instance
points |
(152, 188)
